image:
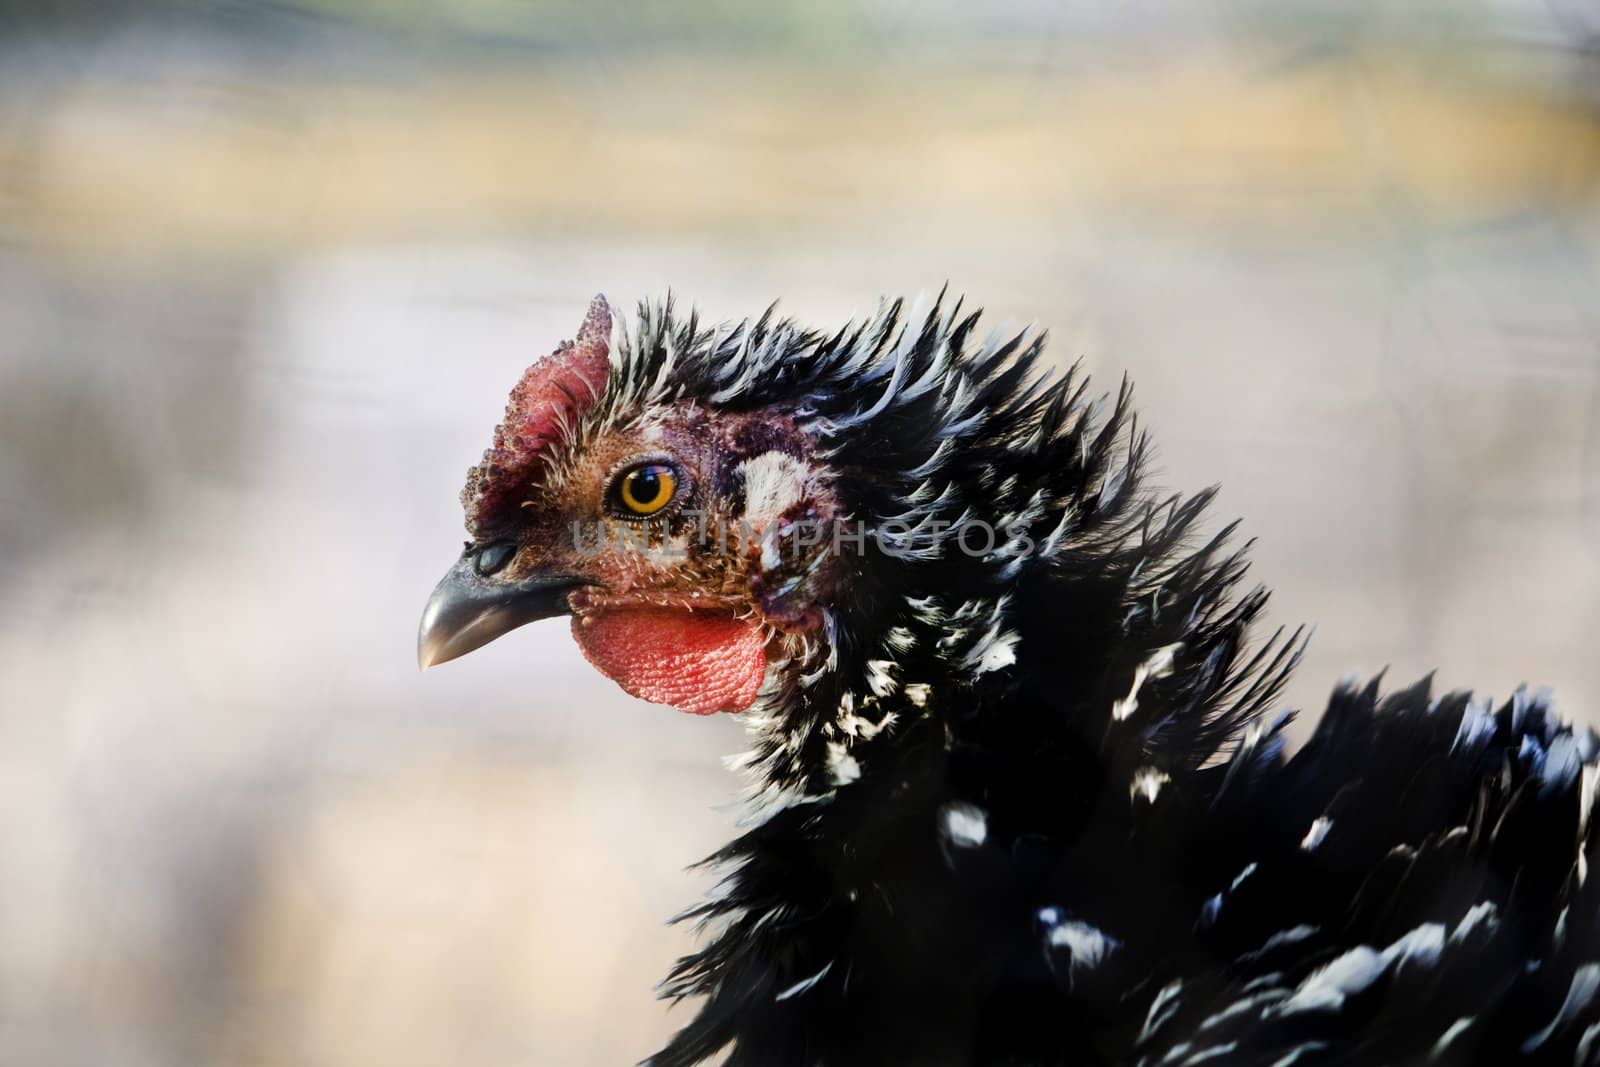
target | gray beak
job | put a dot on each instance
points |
(469, 609)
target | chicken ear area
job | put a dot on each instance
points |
(699, 662)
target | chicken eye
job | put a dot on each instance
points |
(646, 489)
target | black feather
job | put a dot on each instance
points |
(1068, 833)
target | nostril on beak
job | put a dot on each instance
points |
(494, 557)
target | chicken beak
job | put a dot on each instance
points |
(468, 610)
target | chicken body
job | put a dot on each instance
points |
(1018, 792)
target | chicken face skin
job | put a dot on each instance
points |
(677, 597)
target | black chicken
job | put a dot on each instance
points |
(1016, 799)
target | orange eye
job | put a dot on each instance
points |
(647, 488)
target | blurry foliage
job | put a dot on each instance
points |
(565, 24)
(1311, 28)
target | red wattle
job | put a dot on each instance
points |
(698, 662)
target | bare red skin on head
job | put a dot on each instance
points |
(698, 657)
(701, 662)
(555, 391)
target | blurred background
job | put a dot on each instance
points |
(267, 272)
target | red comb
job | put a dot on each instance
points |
(553, 394)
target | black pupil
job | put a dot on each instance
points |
(494, 557)
(646, 484)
